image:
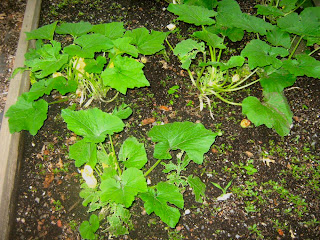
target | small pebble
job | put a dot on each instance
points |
(186, 212)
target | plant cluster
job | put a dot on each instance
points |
(271, 58)
(100, 61)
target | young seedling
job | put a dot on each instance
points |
(224, 195)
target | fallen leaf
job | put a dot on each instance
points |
(249, 154)
(59, 223)
(148, 121)
(280, 232)
(60, 163)
(213, 150)
(48, 179)
(164, 108)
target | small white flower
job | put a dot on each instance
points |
(235, 78)
(87, 174)
(56, 74)
(171, 27)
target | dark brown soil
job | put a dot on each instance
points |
(48, 203)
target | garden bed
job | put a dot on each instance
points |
(274, 180)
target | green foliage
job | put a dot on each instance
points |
(88, 228)
(192, 138)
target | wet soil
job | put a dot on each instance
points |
(48, 203)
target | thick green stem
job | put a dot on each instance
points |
(243, 80)
(153, 167)
(191, 77)
(242, 87)
(295, 48)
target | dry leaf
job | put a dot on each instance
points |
(60, 163)
(148, 121)
(245, 123)
(48, 179)
(165, 108)
(249, 154)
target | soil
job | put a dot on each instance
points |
(48, 202)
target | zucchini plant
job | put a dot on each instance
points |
(113, 181)
(99, 58)
(271, 57)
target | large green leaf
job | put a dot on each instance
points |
(306, 24)
(27, 115)
(157, 202)
(84, 152)
(196, 15)
(277, 81)
(94, 42)
(124, 189)
(64, 86)
(93, 124)
(47, 60)
(38, 89)
(187, 50)
(303, 65)
(210, 38)
(260, 54)
(274, 112)
(111, 30)
(132, 153)
(187, 136)
(75, 50)
(74, 29)
(278, 37)
(126, 73)
(46, 32)
(230, 15)
(147, 43)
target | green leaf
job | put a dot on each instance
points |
(209, 4)
(38, 89)
(187, 50)
(274, 112)
(126, 73)
(303, 65)
(277, 81)
(268, 10)
(234, 61)
(132, 153)
(307, 23)
(95, 65)
(93, 124)
(210, 38)
(192, 138)
(64, 86)
(230, 15)
(123, 112)
(157, 202)
(47, 60)
(146, 43)
(27, 115)
(233, 33)
(94, 42)
(90, 196)
(84, 152)
(287, 5)
(123, 45)
(198, 188)
(46, 32)
(87, 229)
(74, 29)
(118, 220)
(260, 54)
(278, 37)
(75, 50)
(124, 189)
(196, 15)
(111, 30)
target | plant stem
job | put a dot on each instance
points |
(59, 101)
(153, 167)
(314, 51)
(242, 87)
(295, 48)
(191, 77)
(169, 44)
(245, 79)
(115, 156)
(225, 100)
(293, 10)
